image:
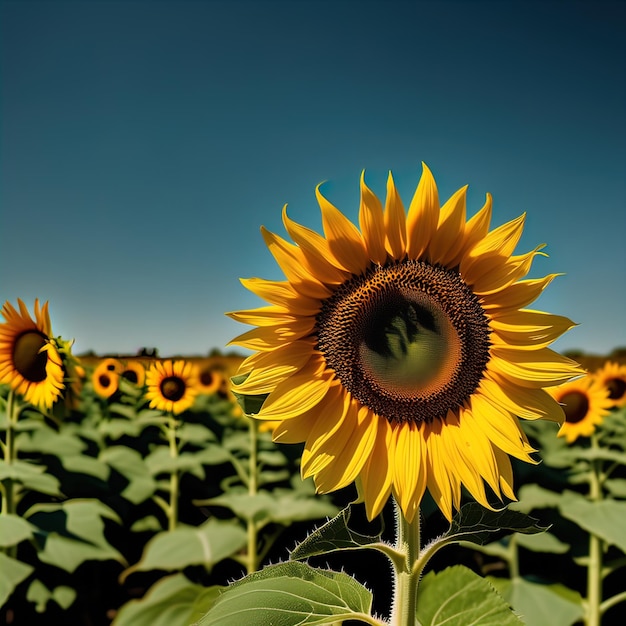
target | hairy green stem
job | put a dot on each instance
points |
(403, 610)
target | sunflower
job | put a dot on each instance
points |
(106, 377)
(402, 354)
(135, 372)
(30, 362)
(585, 402)
(613, 376)
(172, 385)
(209, 380)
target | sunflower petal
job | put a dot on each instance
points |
(395, 221)
(423, 215)
(447, 241)
(372, 223)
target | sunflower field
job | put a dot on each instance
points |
(399, 399)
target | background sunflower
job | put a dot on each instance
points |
(172, 386)
(613, 376)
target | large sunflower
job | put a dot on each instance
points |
(613, 376)
(585, 402)
(402, 354)
(29, 360)
(172, 385)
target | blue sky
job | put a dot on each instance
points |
(144, 143)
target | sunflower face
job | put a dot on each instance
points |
(585, 403)
(105, 379)
(134, 372)
(172, 386)
(613, 377)
(402, 353)
(209, 380)
(29, 360)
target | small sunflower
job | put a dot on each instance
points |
(402, 353)
(30, 362)
(135, 372)
(209, 380)
(585, 403)
(106, 377)
(172, 385)
(613, 376)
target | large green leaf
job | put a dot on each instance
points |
(334, 535)
(159, 460)
(12, 573)
(478, 525)
(541, 605)
(48, 441)
(281, 507)
(290, 594)
(129, 463)
(76, 535)
(30, 476)
(459, 597)
(604, 519)
(171, 601)
(194, 433)
(534, 496)
(204, 545)
(14, 529)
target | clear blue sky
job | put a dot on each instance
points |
(144, 143)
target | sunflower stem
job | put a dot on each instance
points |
(253, 480)
(594, 567)
(403, 610)
(9, 502)
(172, 511)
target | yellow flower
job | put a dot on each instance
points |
(209, 380)
(585, 403)
(135, 372)
(106, 377)
(30, 362)
(172, 386)
(402, 353)
(613, 377)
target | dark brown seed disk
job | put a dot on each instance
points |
(575, 406)
(408, 339)
(173, 388)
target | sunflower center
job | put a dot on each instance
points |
(207, 378)
(408, 339)
(173, 388)
(27, 358)
(104, 380)
(130, 375)
(617, 388)
(575, 406)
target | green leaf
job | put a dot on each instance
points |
(148, 523)
(542, 542)
(14, 530)
(290, 594)
(604, 519)
(76, 536)
(40, 595)
(616, 487)
(478, 525)
(48, 441)
(458, 597)
(541, 605)
(250, 405)
(159, 460)
(82, 464)
(332, 536)
(172, 600)
(533, 496)
(31, 476)
(204, 545)
(12, 573)
(194, 433)
(129, 463)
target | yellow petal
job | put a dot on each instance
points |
(282, 294)
(517, 296)
(377, 474)
(409, 476)
(372, 224)
(395, 221)
(528, 329)
(271, 337)
(500, 241)
(477, 226)
(263, 316)
(423, 215)
(344, 239)
(447, 241)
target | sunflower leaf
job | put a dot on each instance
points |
(458, 597)
(12, 573)
(290, 594)
(334, 535)
(476, 524)
(249, 404)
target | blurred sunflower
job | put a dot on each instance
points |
(402, 354)
(30, 362)
(135, 372)
(209, 380)
(172, 385)
(613, 376)
(106, 377)
(585, 403)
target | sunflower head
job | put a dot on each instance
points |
(105, 378)
(402, 352)
(172, 386)
(134, 372)
(613, 376)
(585, 402)
(210, 380)
(74, 373)
(30, 362)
